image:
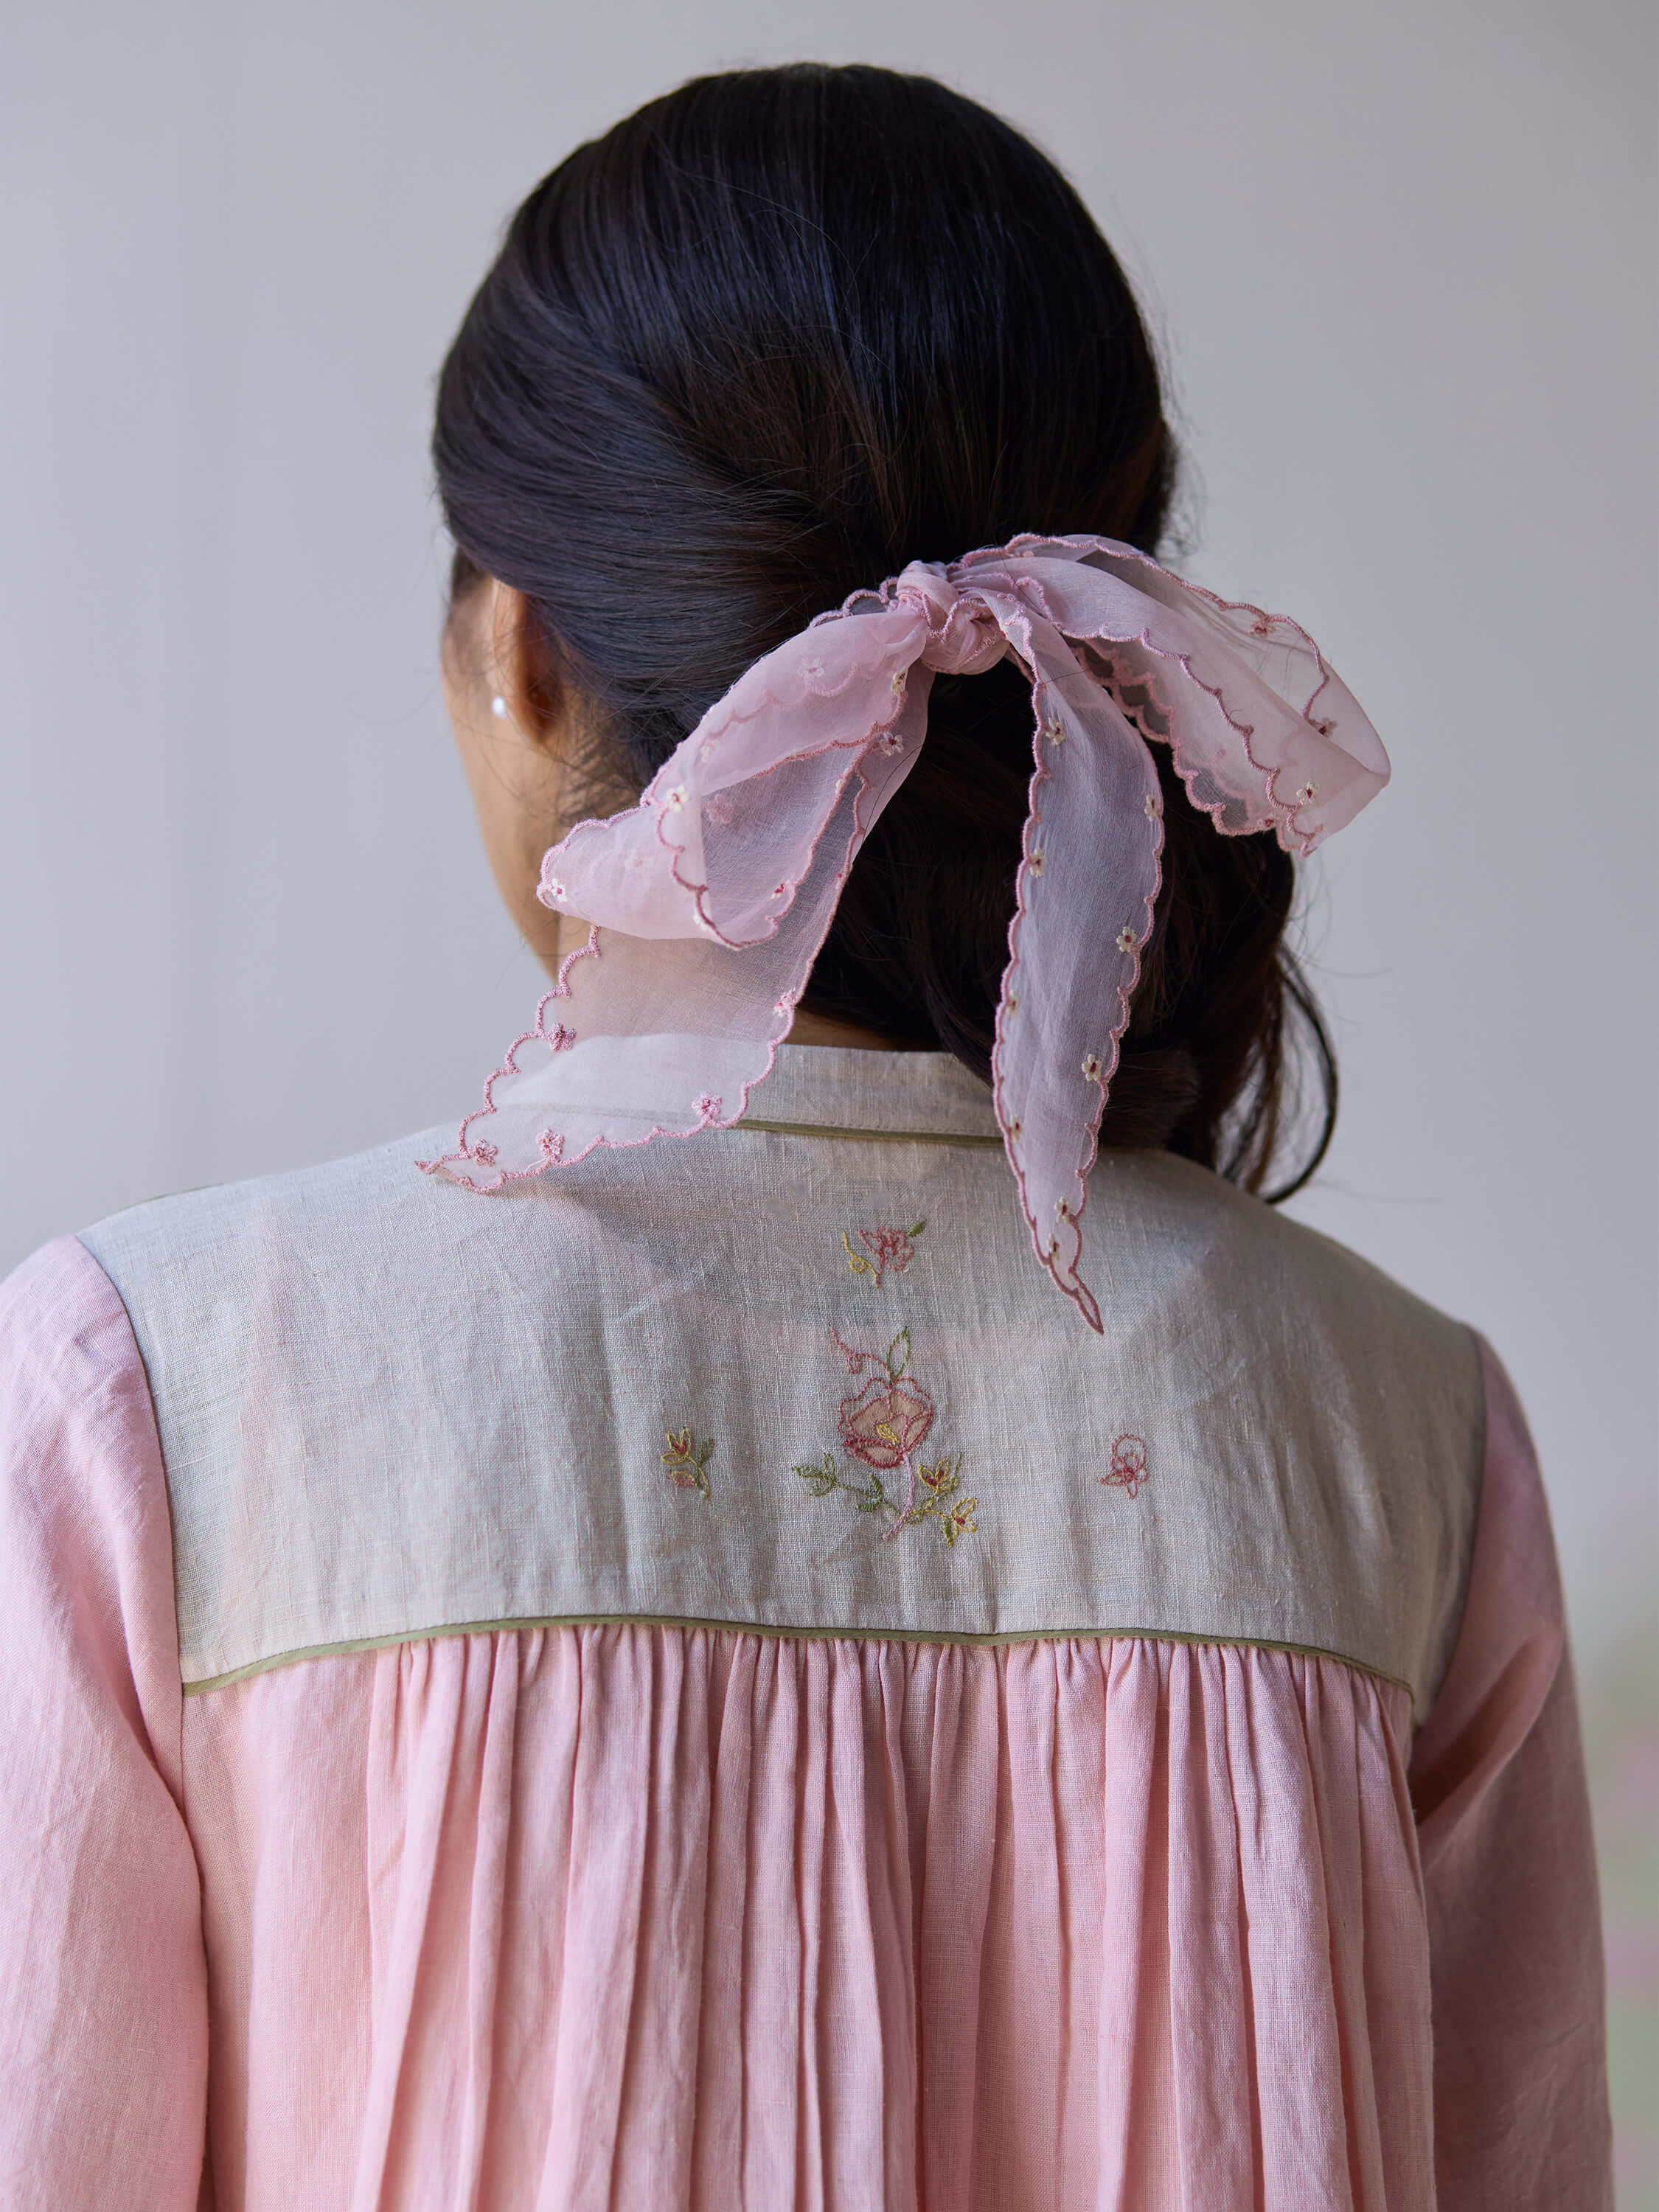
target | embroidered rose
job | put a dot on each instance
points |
(885, 1422)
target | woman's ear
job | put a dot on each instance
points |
(525, 680)
(507, 708)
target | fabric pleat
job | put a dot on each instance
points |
(648, 1915)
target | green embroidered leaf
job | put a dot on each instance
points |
(915, 1229)
(820, 1480)
(874, 1500)
(902, 1338)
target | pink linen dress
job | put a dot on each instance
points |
(697, 1682)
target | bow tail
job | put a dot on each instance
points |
(662, 1035)
(1085, 893)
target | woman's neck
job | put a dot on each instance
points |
(821, 1029)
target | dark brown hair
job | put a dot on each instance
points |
(762, 344)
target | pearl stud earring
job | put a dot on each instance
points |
(498, 707)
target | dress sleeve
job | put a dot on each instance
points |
(103, 2030)
(1509, 1869)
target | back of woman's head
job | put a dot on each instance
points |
(762, 344)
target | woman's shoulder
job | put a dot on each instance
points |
(1212, 1264)
(1194, 1265)
(220, 1228)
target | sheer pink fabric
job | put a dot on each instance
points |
(658, 1917)
(710, 899)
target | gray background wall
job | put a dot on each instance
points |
(1401, 259)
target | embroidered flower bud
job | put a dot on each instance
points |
(674, 798)
(1127, 1469)
(484, 1153)
(896, 681)
(1309, 791)
(686, 1467)
(1126, 939)
(561, 1039)
(1149, 808)
(1055, 730)
(1035, 864)
(1092, 1067)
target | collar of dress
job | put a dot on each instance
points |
(830, 1090)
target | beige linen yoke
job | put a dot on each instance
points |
(390, 1408)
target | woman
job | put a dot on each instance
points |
(792, 1668)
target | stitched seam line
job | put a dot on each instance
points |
(862, 1136)
(512, 1623)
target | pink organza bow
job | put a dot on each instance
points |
(709, 900)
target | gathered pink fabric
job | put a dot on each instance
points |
(709, 900)
(646, 1915)
(636, 1915)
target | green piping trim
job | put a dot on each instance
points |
(769, 1628)
(865, 1136)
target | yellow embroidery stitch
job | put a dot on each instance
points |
(884, 1249)
(884, 1423)
(687, 1468)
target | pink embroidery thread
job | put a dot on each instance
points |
(883, 1424)
(1129, 1471)
(884, 1249)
